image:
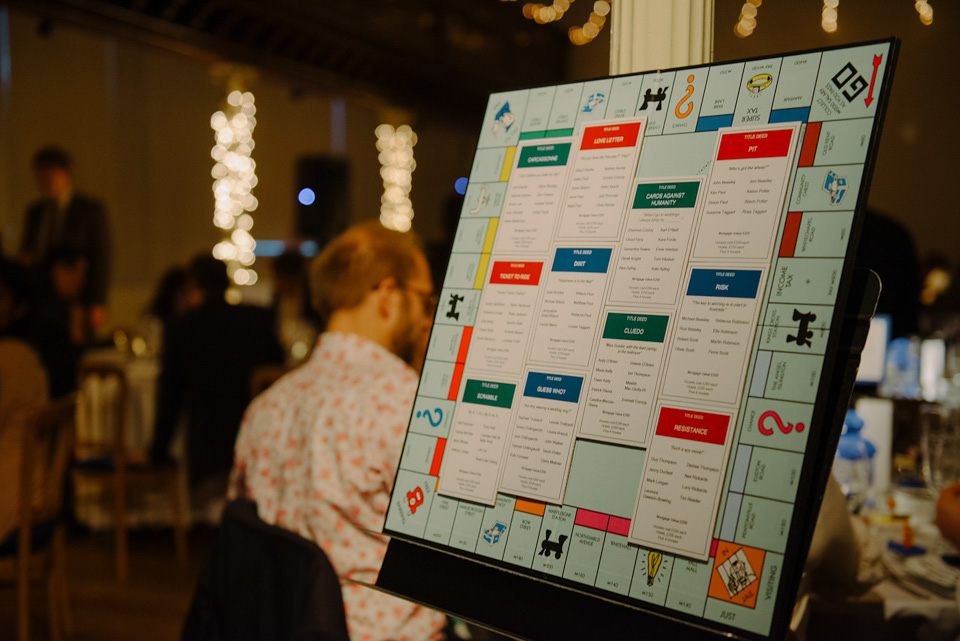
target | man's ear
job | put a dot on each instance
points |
(384, 294)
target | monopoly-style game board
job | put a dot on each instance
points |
(623, 370)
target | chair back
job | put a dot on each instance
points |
(101, 411)
(47, 447)
(264, 582)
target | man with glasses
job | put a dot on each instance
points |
(318, 451)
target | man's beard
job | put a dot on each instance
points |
(406, 336)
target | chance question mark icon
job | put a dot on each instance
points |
(429, 416)
(687, 107)
(786, 429)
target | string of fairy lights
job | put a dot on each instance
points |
(746, 23)
(578, 34)
(396, 170)
(829, 16)
(234, 177)
(925, 11)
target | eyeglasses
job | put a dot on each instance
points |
(428, 299)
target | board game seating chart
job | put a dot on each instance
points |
(632, 327)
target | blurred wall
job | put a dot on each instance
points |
(137, 122)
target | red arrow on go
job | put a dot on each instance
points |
(873, 79)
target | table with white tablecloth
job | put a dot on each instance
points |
(93, 502)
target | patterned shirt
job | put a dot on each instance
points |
(318, 453)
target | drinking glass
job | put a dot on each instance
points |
(940, 445)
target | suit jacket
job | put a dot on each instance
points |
(83, 227)
(209, 354)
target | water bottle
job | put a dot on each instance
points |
(901, 378)
(853, 464)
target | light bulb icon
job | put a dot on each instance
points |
(653, 565)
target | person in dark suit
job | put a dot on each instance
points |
(209, 353)
(64, 219)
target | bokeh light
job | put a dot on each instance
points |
(234, 179)
(306, 196)
(396, 156)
